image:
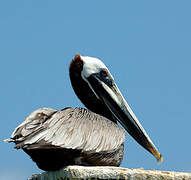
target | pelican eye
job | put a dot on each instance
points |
(105, 77)
(104, 73)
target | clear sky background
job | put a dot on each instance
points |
(145, 44)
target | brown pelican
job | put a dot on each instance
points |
(78, 136)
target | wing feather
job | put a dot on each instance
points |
(72, 128)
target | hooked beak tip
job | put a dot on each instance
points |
(160, 159)
(157, 155)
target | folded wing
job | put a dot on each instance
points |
(70, 128)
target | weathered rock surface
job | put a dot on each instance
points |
(100, 172)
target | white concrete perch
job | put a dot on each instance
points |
(101, 172)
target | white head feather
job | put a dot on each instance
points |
(91, 65)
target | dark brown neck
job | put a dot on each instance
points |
(83, 91)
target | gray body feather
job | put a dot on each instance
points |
(96, 137)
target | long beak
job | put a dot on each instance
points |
(113, 99)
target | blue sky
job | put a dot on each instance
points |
(145, 44)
